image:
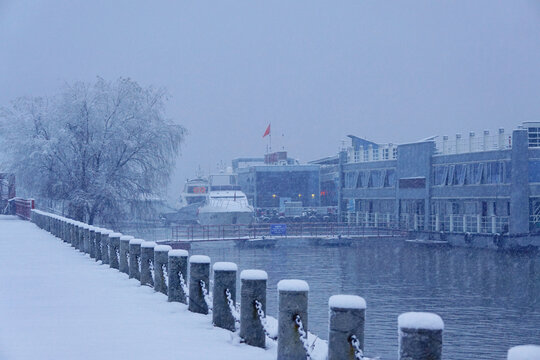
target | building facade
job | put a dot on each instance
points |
(279, 180)
(487, 185)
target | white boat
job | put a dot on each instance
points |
(225, 203)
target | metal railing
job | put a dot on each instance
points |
(282, 230)
(23, 207)
(447, 223)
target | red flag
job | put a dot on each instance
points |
(267, 132)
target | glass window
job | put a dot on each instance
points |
(461, 171)
(534, 171)
(390, 178)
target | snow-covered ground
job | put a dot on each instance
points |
(56, 303)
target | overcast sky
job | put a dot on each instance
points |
(389, 71)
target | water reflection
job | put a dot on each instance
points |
(488, 300)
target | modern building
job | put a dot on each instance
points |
(278, 180)
(488, 184)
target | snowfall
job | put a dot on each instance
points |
(58, 303)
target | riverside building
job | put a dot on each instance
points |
(476, 184)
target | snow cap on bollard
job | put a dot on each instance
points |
(420, 320)
(199, 259)
(162, 248)
(253, 274)
(178, 253)
(148, 244)
(524, 352)
(225, 266)
(420, 336)
(347, 302)
(136, 241)
(292, 285)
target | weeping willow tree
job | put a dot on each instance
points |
(96, 147)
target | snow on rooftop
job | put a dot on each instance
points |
(178, 252)
(347, 302)
(199, 259)
(253, 274)
(66, 320)
(225, 266)
(164, 248)
(420, 320)
(524, 352)
(148, 244)
(292, 285)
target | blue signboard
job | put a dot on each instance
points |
(278, 229)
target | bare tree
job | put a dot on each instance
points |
(97, 146)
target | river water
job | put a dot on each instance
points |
(489, 300)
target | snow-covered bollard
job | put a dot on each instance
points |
(292, 319)
(147, 262)
(346, 330)
(420, 336)
(104, 245)
(75, 238)
(86, 239)
(80, 236)
(224, 295)
(114, 250)
(253, 307)
(199, 276)
(161, 271)
(92, 249)
(524, 352)
(135, 258)
(177, 274)
(123, 252)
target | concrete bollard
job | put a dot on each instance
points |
(92, 242)
(177, 266)
(293, 303)
(224, 288)
(347, 318)
(524, 352)
(147, 263)
(420, 336)
(199, 271)
(161, 268)
(114, 250)
(123, 252)
(135, 258)
(253, 290)
(86, 239)
(76, 235)
(105, 245)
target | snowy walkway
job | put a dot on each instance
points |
(56, 303)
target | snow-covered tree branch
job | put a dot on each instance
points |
(97, 146)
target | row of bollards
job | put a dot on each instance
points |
(420, 334)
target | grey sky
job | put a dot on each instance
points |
(318, 70)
